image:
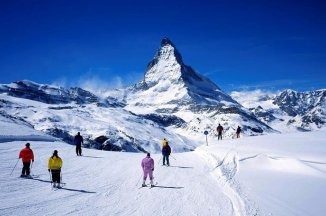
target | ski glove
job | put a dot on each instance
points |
(49, 170)
(153, 169)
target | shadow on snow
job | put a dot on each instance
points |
(167, 187)
(183, 167)
(76, 190)
(63, 188)
(91, 156)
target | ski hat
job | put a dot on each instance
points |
(55, 152)
(27, 145)
(148, 154)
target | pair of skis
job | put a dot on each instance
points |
(29, 177)
(148, 185)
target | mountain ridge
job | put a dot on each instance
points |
(172, 101)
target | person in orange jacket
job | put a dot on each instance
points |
(27, 156)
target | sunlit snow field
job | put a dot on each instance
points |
(283, 174)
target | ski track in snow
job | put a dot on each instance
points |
(223, 171)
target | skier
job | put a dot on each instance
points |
(27, 156)
(238, 131)
(219, 131)
(164, 141)
(78, 141)
(148, 167)
(166, 151)
(54, 166)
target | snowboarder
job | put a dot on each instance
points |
(54, 166)
(219, 131)
(166, 151)
(27, 156)
(148, 167)
(238, 131)
(78, 141)
(164, 141)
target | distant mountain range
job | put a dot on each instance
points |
(172, 101)
(288, 110)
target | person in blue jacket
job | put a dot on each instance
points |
(166, 151)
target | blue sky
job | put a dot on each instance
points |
(240, 45)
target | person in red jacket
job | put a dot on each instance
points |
(27, 156)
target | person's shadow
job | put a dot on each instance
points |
(183, 167)
(63, 188)
(91, 156)
(76, 190)
(167, 187)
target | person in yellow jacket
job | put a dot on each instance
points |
(164, 142)
(54, 166)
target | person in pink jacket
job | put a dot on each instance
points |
(148, 167)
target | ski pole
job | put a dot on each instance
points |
(159, 160)
(14, 167)
(173, 157)
(31, 168)
(50, 178)
(60, 178)
(139, 179)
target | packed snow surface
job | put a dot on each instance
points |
(279, 174)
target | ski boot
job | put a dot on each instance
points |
(143, 185)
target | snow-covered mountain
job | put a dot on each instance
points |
(287, 110)
(104, 123)
(172, 101)
(172, 88)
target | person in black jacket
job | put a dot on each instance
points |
(238, 131)
(78, 141)
(219, 130)
(166, 151)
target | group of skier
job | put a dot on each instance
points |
(54, 162)
(220, 129)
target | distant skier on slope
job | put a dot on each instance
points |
(27, 156)
(148, 168)
(238, 131)
(164, 141)
(54, 166)
(166, 151)
(78, 141)
(219, 131)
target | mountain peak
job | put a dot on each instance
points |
(166, 41)
(166, 57)
(167, 73)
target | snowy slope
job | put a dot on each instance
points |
(17, 129)
(265, 175)
(103, 127)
